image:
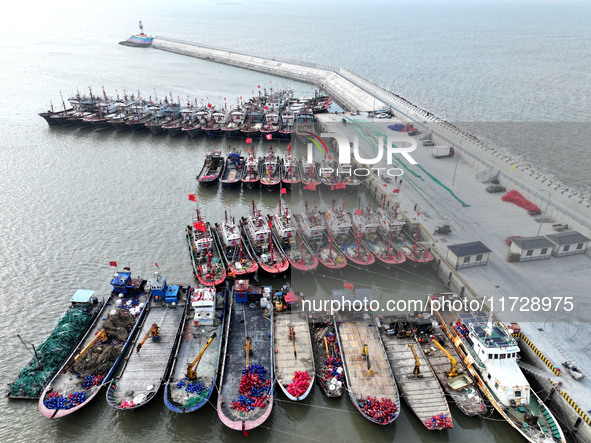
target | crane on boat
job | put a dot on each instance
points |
(416, 372)
(192, 367)
(101, 336)
(454, 364)
(154, 332)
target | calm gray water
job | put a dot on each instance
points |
(71, 201)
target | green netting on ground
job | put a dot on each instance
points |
(52, 352)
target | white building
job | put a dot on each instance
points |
(568, 243)
(467, 255)
(531, 248)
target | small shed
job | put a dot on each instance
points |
(531, 248)
(568, 243)
(467, 255)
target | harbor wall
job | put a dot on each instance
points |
(354, 93)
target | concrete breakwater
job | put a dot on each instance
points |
(355, 93)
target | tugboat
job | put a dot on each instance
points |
(245, 398)
(238, 259)
(251, 177)
(290, 174)
(257, 235)
(49, 355)
(212, 170)
(150, 359)
(233, 170)
(327, 355)
(198, 355)
(207, 264)
(294, 360)
(79, 379)
(339, 226)
(270, 171)
(312, 228)
(310, 179)
(490, 353)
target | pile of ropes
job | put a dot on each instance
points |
(34, 377)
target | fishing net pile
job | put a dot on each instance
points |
(52, 352)
(100, 357)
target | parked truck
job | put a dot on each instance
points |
(443, 151)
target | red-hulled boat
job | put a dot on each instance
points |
(257, 235)
(339, 225)
(290, 174)
(415, 252)
(310, 179)
(288, 236)
(238, 259)
(270, 171)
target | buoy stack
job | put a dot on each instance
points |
(383, 411)
(253, 388)
(299, 385)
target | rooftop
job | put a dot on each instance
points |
(472, 248)
(567, 238)
(532, 242)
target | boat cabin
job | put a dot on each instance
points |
(366, 221)
(284, 225)
(339, 223)
(203, 303)
(231, 234)
(158, 286)
(568, 243)
(258, 228)
(467, 255)
(312, 225)
(84, 297)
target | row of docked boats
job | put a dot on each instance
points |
(281, 241)
(273, 172)
(188, 340)
(271, 114)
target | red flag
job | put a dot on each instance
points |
(358, 212)
(240, 98)
(348, 285)
(310, 187)
(329, 157)
(113, 263)
(283, 191)
(266, 107)
(385, 186)
(396, 191)
(193, 197)
(270, 224)
(340, 185)
(269, 136)
(224, 98)
(418, 214)
(200, 226)
(249, 140)
(156, 264)
(332, 187)
(209, 105)
(259, 86)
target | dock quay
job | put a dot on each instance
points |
(368, 375)
(451, 191)
(422, 393)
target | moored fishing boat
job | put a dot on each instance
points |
(294, 359)
(327, 354)
(198, 355)
(390, 220)
(245, 398)
(237, 257)
(448, 367)
(174, 127)
(418, 384)
(234, 123)
(233, 170)
(251, 178)
(310, 179)
(270, 126)
(79, 380)
(214, 126)
(370, 383)
(270, 171)
(339, 226)
(148, 363)
(213, 168)
(414, 251)
(252, 124)
(366, 223)
(208, 266)
(326, 173)
(50, 355)
(290, 171)
(488, 350)
(286, 127)
(256, 233)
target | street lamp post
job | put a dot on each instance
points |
(545, 208)
(456, 168)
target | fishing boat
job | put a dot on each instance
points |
(212, 170)
(214, 126)
(251, 178)
(310, 179)
(59, 118)
(391, 223)
(174, 127)
(270, 125)
(195, 127)
(448, 367)
(270, 171)
(418, 384)
(256, 233)
(290, 171)
(144, 369)
(294, 359)
(490, 353)
(326, 173)
(198, 354)
(305, 121)
(252, 124)
(234, 123)
(339, 226)
(51, 354)
(233, 170)
(245, 396)
(327, 355)
(79, 379)
(208, 266)
(413, 250)
(370, 383)
(286, 127)
(314, 235)
(347, 180)
(286, 232)
(366, 223)
(237, 257)
(163, 116)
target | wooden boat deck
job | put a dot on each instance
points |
(145, 371)
(423, 395)
(286, 363)
(380, 383)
